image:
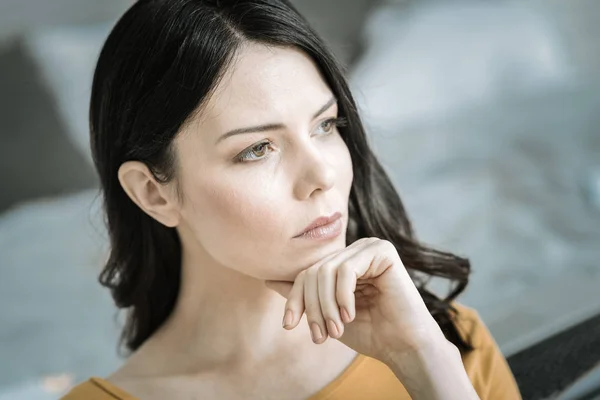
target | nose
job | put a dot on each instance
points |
(317, 174)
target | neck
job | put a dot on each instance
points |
(226, 320)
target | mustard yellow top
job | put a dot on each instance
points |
(367, 378)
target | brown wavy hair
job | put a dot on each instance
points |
(157, 69)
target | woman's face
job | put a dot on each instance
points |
(247, 195)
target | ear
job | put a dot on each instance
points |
(154, 198)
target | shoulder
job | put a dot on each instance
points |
(97, 389)
(471, 327)
(485, 364)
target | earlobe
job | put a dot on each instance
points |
(149, 195)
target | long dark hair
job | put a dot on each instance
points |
(156, 70)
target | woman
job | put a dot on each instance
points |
(239, 189)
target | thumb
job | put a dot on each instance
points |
(282, 287)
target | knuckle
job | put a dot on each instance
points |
(311, 272)
(359, 241)
(325, 269)
(387, 245)
(345, 267)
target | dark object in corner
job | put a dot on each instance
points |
(549, 367)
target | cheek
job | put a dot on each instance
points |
(237, 219)
(241, 207)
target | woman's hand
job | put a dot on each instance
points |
(364, 297)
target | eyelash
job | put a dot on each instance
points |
(245, 156)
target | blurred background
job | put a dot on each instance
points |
(486, 115)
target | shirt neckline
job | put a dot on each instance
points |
(322, 394)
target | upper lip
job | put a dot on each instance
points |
(320, 222)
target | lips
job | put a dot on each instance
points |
(321, 221)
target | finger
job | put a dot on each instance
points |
(314, 316)
(344, 292)
(383, 255)
(337, 294)
(327, 277)
(297, 300)
(327, 320)
(294, 306)
(371, 263)
(375, 259)
(294, 292)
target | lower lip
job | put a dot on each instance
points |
(324, 232)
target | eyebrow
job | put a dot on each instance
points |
(271, 127)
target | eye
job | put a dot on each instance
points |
(256, 152)
(330, 123)
(260, 150)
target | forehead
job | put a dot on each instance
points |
(266, 83)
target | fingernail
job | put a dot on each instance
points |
(332, 327)
(315, 331)
(345, 315)
(287, 319)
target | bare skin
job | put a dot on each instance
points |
(237, 225)
(247, 199)
(292, 376)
